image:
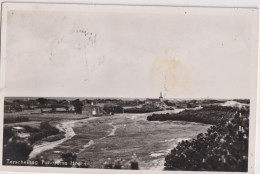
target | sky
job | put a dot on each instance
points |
(130, 52)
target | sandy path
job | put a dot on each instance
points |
(64, 127)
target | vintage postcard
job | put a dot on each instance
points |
(136, 89)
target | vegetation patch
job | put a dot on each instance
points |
(144, 109)
(15, 119)
(223, 148)
(54, 137)
(208, 115)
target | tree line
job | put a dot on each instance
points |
(223, 148)
(207, 115)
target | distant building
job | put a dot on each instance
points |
(96, 111)
(61, 109)
(158, 102)
(154, 100)
(71, 108)
(17, 129)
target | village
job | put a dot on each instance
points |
(58, 129)
(19, 113)
(93, 107)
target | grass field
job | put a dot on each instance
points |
(97, 139)
(121, 136)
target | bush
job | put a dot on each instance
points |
(78, 105)
(45, 131)
(69, 158)
(134, 165)
(15, 119)
(8, 133)
(113, 109)
(207, 115)
(121, 164)
(16, 151)
(223, 148)
(145, 109)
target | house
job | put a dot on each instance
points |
(61, 109)
(154, 100)
(71, 108)
(20, 132)
(96, 111)
(17, 129)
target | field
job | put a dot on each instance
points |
(122, 135)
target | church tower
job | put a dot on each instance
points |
(161, 98)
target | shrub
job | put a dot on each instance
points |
(223, 148)
(145, 109)
(113, 109)
(7, 134)
(78, 105)
(69, 158)
(16, 151)
(207, 115)
(121, 164)
(45, 131)
(15, 119)
(134, 165)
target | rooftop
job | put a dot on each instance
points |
(18, 128)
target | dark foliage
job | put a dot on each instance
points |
(42, 101)
(69, 158)
(8, 133)
(144, 109)
(245, 101)
(121, 164)
(207, 115)
(223, 148)
(30, 129)
(15, 119)
(45, 131)
(113, 109)
(16, 151)
(134, 165)
(169, 103)
(78, 106)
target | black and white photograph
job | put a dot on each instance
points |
(118, 88)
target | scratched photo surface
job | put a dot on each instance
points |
(130, 88)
